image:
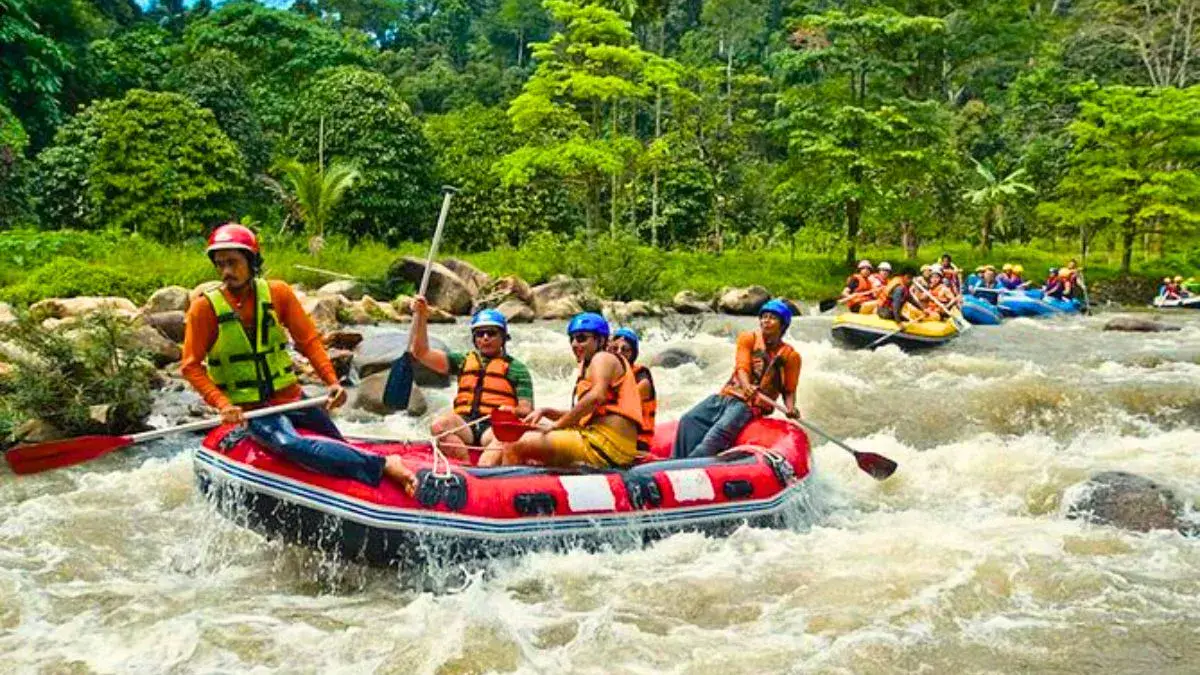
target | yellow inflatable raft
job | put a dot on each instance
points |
(868, 330)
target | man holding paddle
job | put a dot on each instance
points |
(235, 356)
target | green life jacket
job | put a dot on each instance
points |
(249, 368)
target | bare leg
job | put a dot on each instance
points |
(453, 445)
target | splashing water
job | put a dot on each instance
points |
(961, 562)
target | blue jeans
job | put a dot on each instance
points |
(323, 455)
(710, 426)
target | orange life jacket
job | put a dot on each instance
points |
(483, 389)
(649, 408)
(622, 397)
(768, 374)
(858, 283)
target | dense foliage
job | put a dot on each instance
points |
(816, 126)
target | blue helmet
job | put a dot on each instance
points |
(588, 322)
(780, 309)
(489, 317)
(629, 335)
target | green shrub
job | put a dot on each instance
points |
(70, 277)
(85, 378)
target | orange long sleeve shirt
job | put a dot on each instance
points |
(744, 362)
(200, 334)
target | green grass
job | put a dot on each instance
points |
(35, 265)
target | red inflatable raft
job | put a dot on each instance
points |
(463, 511)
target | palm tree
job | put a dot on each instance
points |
(317, 193)
(992, 197)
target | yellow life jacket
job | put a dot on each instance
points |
(249, 369)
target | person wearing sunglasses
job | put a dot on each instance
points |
(765, 365)
(601, 428)
(624, 343)
(488, 378)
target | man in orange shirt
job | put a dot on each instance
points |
(765, 365)
(235, 356)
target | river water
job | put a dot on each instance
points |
(962, 562)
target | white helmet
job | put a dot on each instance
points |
(885, 266)
(935, 268)
(864, 263)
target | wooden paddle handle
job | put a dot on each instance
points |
(213, 423)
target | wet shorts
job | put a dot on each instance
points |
(597, 445)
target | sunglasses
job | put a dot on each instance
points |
(581, 337)
(487, 333)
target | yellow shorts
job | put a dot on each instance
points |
(599, 445)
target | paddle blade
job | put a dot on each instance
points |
(398, 389)
(827, 304)
(507, 427)
(26, 459)
(877, 466)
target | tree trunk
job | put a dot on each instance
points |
(520, 47)
(908, 237)
(985, 230)
(1127, 239)
(853, 214)
(612, 197)
(729, 84)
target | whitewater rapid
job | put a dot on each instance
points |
(962, 562)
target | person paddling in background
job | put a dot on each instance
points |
(625, 343)
(896, 301)
(488, 379)
(601, 428)
(1007, 279)
(235, 356)
(766, 365)
(951, 274)
(1055, 284)
(858, 287)
(880, 278)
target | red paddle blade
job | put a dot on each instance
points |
(878, 466)
(26, 459)
(507, 427)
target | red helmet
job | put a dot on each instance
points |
(232, 236)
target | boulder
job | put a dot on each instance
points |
(379, 311)
(62, 308)
(673, 357)
(343, 339)
(354, 314)
(162, 350)
(324, 310)
(369, 396)
(503, 290)
(6, 314)
(1138, 325)
(1126, 501)
(446, 289)
(169, 299)
(204, 287)
(403, 305)
(169, 324)
(38, 431)
(621, 312)
(347, 288)
(516, 311)
(742, 301)
(343, 360)
(563, 297)
(688, 302)
(439, 315)
(378, 352)
(475, 278)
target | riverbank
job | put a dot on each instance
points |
(37, 265)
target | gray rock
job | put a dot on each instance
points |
(38, 431)
(64, 308)
(170, 325)
(742, 301)
(516, 311)
(688, 302)
(559, 308)
(378, 352)
(446, 289)
(169, 299)
(503, 290)
(475, 278)
(673, 357)
(162, 350)
(369, 397)
(1138, 325)
(343, 339)
(202, 288)
(347, 288)
(563, 297)
(324, 310)
(1126, 501)
(6, 314)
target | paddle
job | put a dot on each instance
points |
(958, 323)
(829, 303)
(507, 427)
(876, 466)
(400, 379)
(26, 459)
(884, 338)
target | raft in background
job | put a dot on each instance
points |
(1180, 303)
(866, 330)
(465, 512)
(980, 312)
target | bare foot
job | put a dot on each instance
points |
(395, 470)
